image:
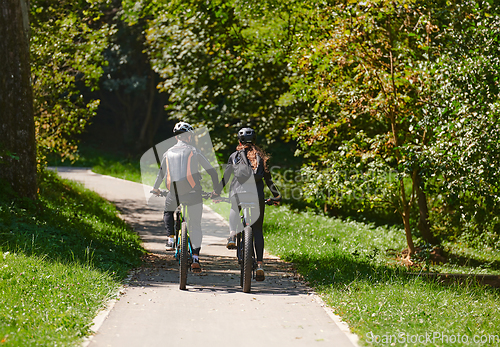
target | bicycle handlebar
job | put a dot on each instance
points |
(164, 193)
(269, 201)
(206, 195)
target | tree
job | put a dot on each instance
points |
(128, 88)
(410, 88)
(68, 38)
(366, 74)
(17, 132)
(466, 121)
(222, 63)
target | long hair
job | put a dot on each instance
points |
(252, 151)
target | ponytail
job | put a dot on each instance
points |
(252, 151)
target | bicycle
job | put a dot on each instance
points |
(183, 248)
(244, 242)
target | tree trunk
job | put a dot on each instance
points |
(406, 220)
(142, 143)
(17, 124)
(409, 238)
(159, 118)
(423, 223)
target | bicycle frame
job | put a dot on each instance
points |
(246, 220)
(179, 218)
(183, 246)
(245, 247)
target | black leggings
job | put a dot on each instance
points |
(194, 204)
(257, 225)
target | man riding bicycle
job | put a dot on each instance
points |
(179, 169)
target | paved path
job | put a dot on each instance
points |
(213, 311)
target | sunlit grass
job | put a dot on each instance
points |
(47, 303)
(347, 265)
(62, 257)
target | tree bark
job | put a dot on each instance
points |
(17, 124)
(423, 223)
(406, 220)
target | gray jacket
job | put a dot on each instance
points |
(180, 169)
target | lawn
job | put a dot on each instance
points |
(347, 264)
(61, 259)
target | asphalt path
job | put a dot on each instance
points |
(150, 310)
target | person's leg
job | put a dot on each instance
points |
(194, 226)
(258, 235)
(168, 219)
(258, 232)
(194, 203)
(235, 225)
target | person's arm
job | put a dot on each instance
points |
(161, 173)
(270, 184)
(209, 169)
(228, 171)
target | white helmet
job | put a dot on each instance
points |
(182, 127)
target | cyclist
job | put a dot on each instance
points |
(179, 169)
(257, 159)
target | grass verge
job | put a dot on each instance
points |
(104, 163)
(62, 258)
(347, 265)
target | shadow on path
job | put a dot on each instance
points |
(220, 274)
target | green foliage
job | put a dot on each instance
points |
(407, 90)
(223, 63)
(67, 40)
(465, 118)
(365, 73)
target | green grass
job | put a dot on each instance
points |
(347, 265)
(104, 163)
(62, 258)
(354, 267)
(47, 303)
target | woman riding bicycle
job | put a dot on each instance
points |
(257, 159)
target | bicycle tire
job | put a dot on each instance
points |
(183, 262)
(241, 257)
(247, 259)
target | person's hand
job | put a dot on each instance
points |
(273, 202)
(215, 197)
(156, 192)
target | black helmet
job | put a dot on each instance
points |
(182, 127)
(247, 135)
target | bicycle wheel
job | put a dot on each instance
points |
(239, 254)
(247, 259)
(183, 262)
